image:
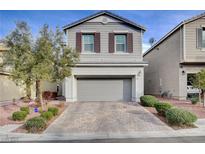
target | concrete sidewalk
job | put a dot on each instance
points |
(21, 137)
(6, 136)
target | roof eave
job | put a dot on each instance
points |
(101, 13)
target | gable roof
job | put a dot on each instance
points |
(174, 30)
(104, 13)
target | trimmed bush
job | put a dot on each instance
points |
(26, 109)
(148, 100)
(176, 116)
(35, 124)
(54, 110)
(194, 100)
(19, 115)
(162, 107)
(47, 115)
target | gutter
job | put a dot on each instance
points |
(111, 65)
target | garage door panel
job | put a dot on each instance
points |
(104, 89)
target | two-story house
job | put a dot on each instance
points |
(175, 58)
(111, 66)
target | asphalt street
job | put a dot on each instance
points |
(192, 139)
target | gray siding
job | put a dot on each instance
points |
(162, 74)
(104, 30)
(192, 53)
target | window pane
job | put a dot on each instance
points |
(203, 38)
(120, 47)
(190, 79)
(88, 39)
(88, 43)
(120, 39)
(88, 47)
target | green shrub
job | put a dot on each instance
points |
(35, 124)
(19, 115)
(26, 109)
(194, 100)
(148, 100)
(47, 115)
(162, 107)
(176, 116)
(54, 110)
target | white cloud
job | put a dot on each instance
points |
(145, 47)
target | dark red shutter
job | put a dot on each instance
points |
(129, 42)
(97, 43)
(78, 41)
(111, 43)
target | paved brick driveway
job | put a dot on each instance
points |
(105, 117)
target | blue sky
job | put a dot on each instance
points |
(157, 23)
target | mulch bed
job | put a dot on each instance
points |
(61, 109)
(7, 110)
(197, 109)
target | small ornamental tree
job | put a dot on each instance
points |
(43, 65)
(199, 83)
(64, 57)
(53, 60)
(45, 59)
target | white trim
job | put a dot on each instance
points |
(120, 31)
(121, 53)
(144, 64)
(88, 53)
(88, 31)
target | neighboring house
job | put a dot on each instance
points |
(175, 58)
(111, 66)
(9, 90)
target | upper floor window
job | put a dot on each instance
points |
(120, 43)
(203, 37)
(88, 43)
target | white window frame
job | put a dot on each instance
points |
(83, 47)
(119, 43)
(203, 33)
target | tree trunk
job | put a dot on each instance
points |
(200, 101)
(28, 91)
(204, 98)
(39, 93)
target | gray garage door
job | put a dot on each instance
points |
(104, 89)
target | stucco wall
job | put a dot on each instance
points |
(162, 74)
(9, 90)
